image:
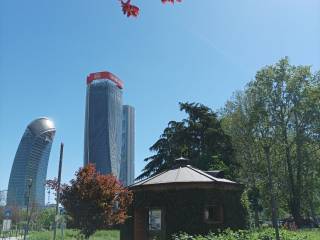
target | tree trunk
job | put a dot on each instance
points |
(251, 164)
(294, 196)
(297, 194)
(273, 201)
(313, 214)
(256, 218)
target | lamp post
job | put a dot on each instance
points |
(58, 193)
(28, 200)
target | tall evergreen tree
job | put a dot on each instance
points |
(199, 137)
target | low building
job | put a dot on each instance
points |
(183, 199)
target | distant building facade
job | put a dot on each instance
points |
(3, 197)
(31, 162)
(128, 143)
(103, 122)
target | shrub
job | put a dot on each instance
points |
(262, 234)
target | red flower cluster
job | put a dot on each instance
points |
(170, 1)
(132, 10)
(129, 9)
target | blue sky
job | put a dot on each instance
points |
(196, 51)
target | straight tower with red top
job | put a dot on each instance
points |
(103, 76)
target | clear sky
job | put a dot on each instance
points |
(196, 51)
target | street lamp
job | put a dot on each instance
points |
(28, 200)
(58, 193)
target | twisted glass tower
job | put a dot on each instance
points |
(103, 122)
(31, 162)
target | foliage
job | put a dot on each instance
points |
(45, 218)
(132, 10)
(95, 201)
(53, 184)
(40, 218)
(198, 137)
(262, 234)
(254, 197)
(17, 214)
(274, 126)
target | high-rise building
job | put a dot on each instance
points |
(31, 162)
(127, 151)
(103, 122)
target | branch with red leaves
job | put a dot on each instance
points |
(132, 10)
(54, 185)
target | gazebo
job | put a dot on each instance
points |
(183, 199)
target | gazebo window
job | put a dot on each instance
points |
(213, 214)
(155, 219)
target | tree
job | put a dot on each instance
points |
(17, 214)
(290, 114)
(198, 137)
(45, 218)
(274, 125)
(95, 201)
(132, 10)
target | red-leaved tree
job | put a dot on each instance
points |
(94, 201)
(132, 10)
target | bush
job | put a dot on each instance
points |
(263, 234)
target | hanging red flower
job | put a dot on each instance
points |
(170, 1)
(132, 10)
(129, 9)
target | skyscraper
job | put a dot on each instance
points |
(127, 151)
(103, 122)
(31, 162)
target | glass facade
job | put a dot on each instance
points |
(103, 126)
(31, 162)
(127, 151)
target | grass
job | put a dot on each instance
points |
(306, 234)
(70, 234)
(312, 234)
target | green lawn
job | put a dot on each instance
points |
(73, 234)
(306, 234)
(265, 234)
(312, 234)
